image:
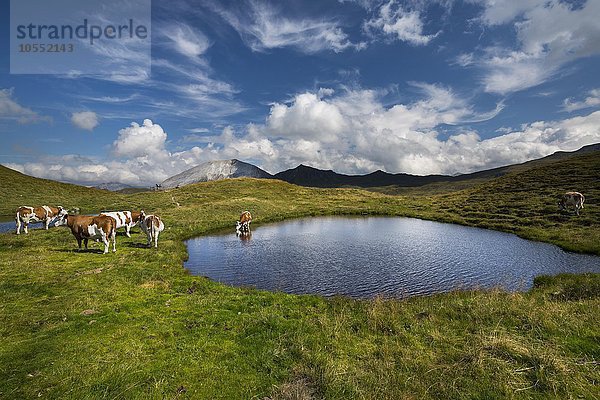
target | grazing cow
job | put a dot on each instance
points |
(152, 226)
(127, 219)
(85, 227)
(242, 227)
(46, 214)
(571, 199)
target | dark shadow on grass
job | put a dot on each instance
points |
(97, 251)
(135, 245)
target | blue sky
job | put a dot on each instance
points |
(404, 86)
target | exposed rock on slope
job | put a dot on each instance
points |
(215, 170)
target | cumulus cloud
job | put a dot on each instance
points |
(397, 23)
(263, 27)
(351, 132)
(592, 100)
(87, 120)
(139, 140)
(550, 35)
(11, 110)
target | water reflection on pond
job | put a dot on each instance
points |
(364, 257)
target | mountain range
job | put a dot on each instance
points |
(308, 176)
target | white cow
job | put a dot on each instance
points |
(127, 219)
(152, 226)
(572, 199)
(26, 215)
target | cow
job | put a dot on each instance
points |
(152, 226)
(127, 219)
(242, 227)
(571, 199)
(85, 227)
(26, 215)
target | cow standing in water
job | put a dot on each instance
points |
(83, 227)
(152, 226)
(26, 215)
(242, 227)
(127, 219)
(571, 199)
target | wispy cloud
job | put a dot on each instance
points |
(186, 40)
(395, 22)
(263, 26)
(10, 109)
(550, 35)
(592, 100)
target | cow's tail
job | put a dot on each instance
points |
(152, 228)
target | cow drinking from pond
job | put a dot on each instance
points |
(574, 200)
(242, 227)
(100, 227)
(152, 226)
(26, 215)
(126, 219)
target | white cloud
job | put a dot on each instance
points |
(498, 12)
(465, 59)
(593, 100)
(137, 140)
(550, 35)
(349, 132)
(262, 27)
(87, 120)
(397, 23)
(189, 42)
(11, 110)
(308, 117)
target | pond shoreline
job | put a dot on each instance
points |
(445, 245)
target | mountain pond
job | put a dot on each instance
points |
(363, 257)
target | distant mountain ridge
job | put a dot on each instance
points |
(304, 175)
(308, 176)
(113, 186)
(215, 170)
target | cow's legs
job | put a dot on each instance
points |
(127, 228)
(106, 243)
(114, 240)
(149, 237)
(47, 223)
(25, 225)
(18, 220)
(156, 239)
(85, 242)
(79, 242)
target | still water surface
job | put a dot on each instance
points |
(390, 256)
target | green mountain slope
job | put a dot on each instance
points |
(17, 189)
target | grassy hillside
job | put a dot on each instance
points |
(470, 180)
(17, 190)
(134, 325)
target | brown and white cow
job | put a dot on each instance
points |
(571, 199)
(127, 219)
(152, 226)
(85, 227)
(26, 215)
(242, 227)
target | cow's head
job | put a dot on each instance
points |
(62, 220)
(561, 205)
(61, 212)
